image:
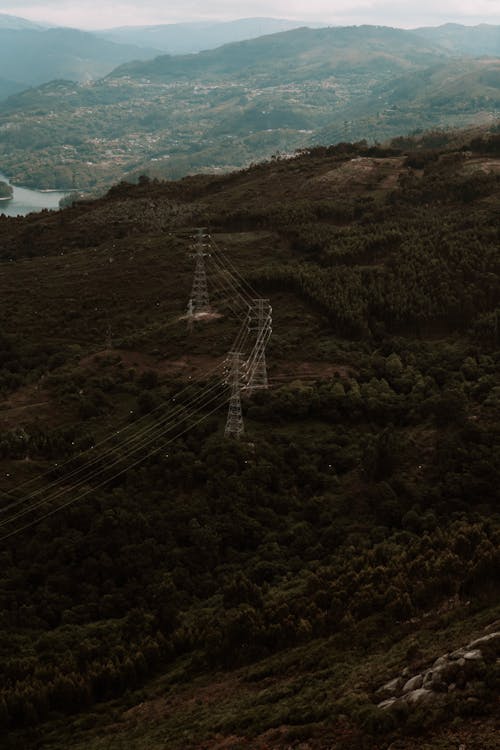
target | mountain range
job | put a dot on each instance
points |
(34, 56)
(31, 53)
(242, 102)
(183, 38)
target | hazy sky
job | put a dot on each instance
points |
(107, 13)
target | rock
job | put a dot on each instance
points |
(390, 688)
(447, 672)
(384, 705)
(433, 680)
(440, 661)
(451, 687)
(413, 683)
(493, 627)
(421, 695)
(475, 655)
(428, 678)
(406, 672)
(458, 654)
(492, 639)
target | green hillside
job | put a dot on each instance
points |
(300, 53)
(458, 92)
(165, 587)
(226, 108)
(476, 41)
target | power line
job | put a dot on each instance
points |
(141, 439)
(115, 476)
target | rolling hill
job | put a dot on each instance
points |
(182, 38)
(241, 103)
(300, 54)
(35, 55)
(219, 109)
(15, 23)
(458, 92)
(473, 41)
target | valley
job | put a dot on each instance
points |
(215, 112)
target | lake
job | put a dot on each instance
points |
(25, 201)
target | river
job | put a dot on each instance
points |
(24, 201)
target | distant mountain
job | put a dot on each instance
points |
(243, 102)
(303, 53)
(35, 56)
(183, 38)
(464, 40)
(7, 88)
(18, 24)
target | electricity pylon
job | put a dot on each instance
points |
(199, 301)
(261, 324)
(234, 423)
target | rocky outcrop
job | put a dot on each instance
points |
(448, 673)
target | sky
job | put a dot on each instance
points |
(92, 14)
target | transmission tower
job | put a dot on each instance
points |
(234, 423)
(199, 301)
(261, 324)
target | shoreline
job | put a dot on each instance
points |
(4, 178)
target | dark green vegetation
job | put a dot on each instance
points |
(241, 103)
(255, 594)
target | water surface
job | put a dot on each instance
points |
(24, 201)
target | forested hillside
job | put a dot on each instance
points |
(226, 108)
(165, 587)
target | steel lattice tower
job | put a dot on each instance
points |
(260, 323)
(199, 301)
(234, 423)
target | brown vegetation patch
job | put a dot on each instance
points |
(27, 403)
(361, 171)
(484, 165)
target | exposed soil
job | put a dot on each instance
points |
(31, 401)
(198, 366)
